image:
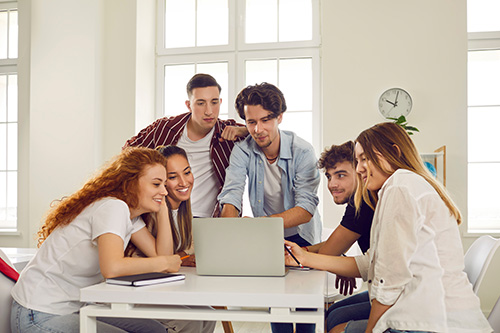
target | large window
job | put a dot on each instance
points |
(8, 116)
(240, 43)
(483, 115)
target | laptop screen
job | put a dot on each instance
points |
(239, 246)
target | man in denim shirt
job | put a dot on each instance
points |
(282, 175)
(281, 167)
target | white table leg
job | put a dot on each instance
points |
(87, 323)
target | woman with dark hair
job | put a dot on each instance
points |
(414, 267)
(179, 185)
(83, 240)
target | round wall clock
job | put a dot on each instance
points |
(395, 102)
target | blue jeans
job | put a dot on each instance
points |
(359, 326)
(30, 321)
(356, 307)
(288, 327)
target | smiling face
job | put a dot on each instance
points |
(372, 176)
(341, 181)
(151, 190)
(179, 180)
(262, 125)
(204, 104)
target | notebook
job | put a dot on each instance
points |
(145, 279)
(239, 246)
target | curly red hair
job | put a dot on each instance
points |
(118, 179)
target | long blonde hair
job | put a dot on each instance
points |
(396, 146)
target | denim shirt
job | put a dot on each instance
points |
(299, 179)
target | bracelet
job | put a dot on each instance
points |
(305, 247)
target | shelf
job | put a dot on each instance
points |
(438, 160)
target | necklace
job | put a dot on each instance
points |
(271, 160)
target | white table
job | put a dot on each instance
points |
(276, 296)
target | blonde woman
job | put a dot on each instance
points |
(414, 267)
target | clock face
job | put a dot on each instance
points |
(395, 102)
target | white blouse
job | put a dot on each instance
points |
(415, 262)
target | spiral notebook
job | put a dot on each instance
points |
(239, 246)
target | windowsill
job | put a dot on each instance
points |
(475, 234)
(4, 232)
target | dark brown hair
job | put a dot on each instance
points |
(201, 81)
(265, 94)
(337, 154)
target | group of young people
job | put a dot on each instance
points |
(135, 217)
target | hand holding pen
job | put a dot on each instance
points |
(294, 254)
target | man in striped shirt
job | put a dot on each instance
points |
(207, 140)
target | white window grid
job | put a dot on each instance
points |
(482, 41)
(235, 53)
(9, 122)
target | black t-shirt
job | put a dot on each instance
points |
(360, 224)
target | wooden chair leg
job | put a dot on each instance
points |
(226, 325)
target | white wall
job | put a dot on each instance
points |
(420, 46)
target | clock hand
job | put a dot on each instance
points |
(393, 104)
(396, 100)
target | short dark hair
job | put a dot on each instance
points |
(201, 81)
(265, 94)
(337, 154)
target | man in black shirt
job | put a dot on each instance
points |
(338, 164)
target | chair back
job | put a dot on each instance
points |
(478, 257)
(6, 285)
(494, 317)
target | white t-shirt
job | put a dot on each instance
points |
(68, 259)
(205, 189)
(415, 262)
(273, 194)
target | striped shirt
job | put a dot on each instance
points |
(168, 130)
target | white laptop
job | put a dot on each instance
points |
(239, 246)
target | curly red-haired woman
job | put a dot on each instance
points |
(83, 240)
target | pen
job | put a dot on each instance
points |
(298, 262)
(182, 258)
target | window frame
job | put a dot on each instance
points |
(9, 66)
(480, 41)
(235, 54)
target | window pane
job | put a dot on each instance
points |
(12, 146)
(3, 34)
(482, 15)
(484, 78)
(484, 210)
(298, 122)
(180, 23)
(176, 78)
(13, 34)
(295, 81)
(295, 20)
(12, 98)
(258, 71)
(213, 22)
(3, 147)
(482, 134)
(261, 21)
(3, 98)
(11, 199)
(219, 70)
